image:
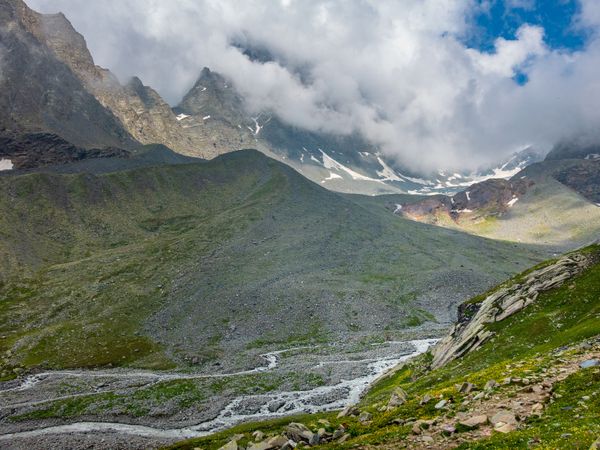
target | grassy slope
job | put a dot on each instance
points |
(524, 344)
(167, 264)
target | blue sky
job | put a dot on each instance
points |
(502, 18)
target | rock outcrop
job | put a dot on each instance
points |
(33, 150)
(471, 332)
(489, 198)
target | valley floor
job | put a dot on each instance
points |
(121, 408)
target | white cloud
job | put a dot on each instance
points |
(396, 71)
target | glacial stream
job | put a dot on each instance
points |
(241, 409)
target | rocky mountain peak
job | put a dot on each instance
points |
(213, 95)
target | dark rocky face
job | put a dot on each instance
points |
(29, 151)
(38, 92)
(583, 177)
(490, 197)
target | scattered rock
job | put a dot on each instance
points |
(475, 421)
(537, 408)
(479, 396)
(399, 397)
(324, 422)
(503, 417)
(365, 417)
(590, 363)
(465, 388)
(440, 404)
(348, 411)
(344, 438)
(505, 428)
(231, 445)
(258, 435)
(448, 430)
(426, 399)
(490, 385)
(298, 432)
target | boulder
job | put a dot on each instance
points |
(490, 385)
(231, 445)
(426, 399)
(441, 404)
(504, 417)
(365, 417)
(475, 421)
(289, 445)
(261, 446)
(505, 428)
(398, 397)
(465, 388)
(590, 363)
(298, 432)
(348, 411)
(344, 438)
(258, 435)
(338, 433)
(277, 441)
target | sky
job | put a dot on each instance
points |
(451, 84)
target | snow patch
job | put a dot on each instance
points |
(512, 202)
(6, 164)
(468, 196)
(592, 156)
(331, 163)
(398, 208)
(182, 116)
(387, 174)
(332, 176)
(206, 118)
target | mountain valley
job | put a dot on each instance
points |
(206, 275)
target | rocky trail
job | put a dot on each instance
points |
(501, 406)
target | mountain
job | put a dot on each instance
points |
(178, 263)
(554, 202)
(211, 119)
(39, 93)
(520, 369)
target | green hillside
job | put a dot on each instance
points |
(176, 265)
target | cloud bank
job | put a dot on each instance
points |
(398, 72)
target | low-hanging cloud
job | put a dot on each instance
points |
(398, 72)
